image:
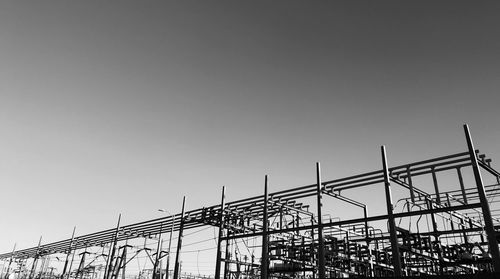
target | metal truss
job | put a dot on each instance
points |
(297, 241)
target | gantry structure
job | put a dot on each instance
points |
(286, 234)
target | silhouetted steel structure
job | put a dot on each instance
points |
(299, 242)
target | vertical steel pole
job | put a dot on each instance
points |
(170, 245)
(462, 186)
(33, 267)
(116, 267)
(157, 258)
(365, 215)
(436, 186)
(71, 263)
(120, 261)
(179, 242)
(490, 231)
(124, 258)
(69, 252)
(221, 228)
(265, 245)
(321, 243)
(10, 261)
(227, 257)
(410, 183)
(396, 260)
(81, 265)
(160, 263)
(111, 253)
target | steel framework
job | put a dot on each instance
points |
(297, 240)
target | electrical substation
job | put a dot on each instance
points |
(430, 229)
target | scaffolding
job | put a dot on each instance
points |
(286, 234)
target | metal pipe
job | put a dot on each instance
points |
(462, 186)
(124, 259)
(410, 183)
(119, 263)
(367, 235)
(227, 256)
(179, 242)
(71, 263)
(170, 246)
(157, 257)
(221, 228)
(112, 248)
(265, 245)
(396, 260)
(35, 259)
(321, 243)
(436, 186)
(490, 231)
(69, 252)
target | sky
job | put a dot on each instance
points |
(127, 106)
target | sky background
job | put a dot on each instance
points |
(125, 107)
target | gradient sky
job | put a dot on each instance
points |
(111, 107)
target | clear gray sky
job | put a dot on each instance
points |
(111, 107)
